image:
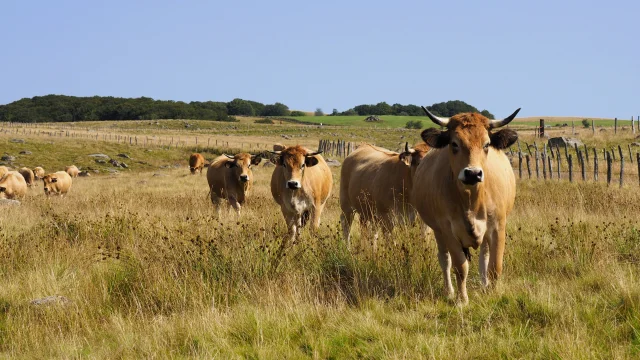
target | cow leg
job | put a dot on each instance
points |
(483, 261)
(233, 202)
(316, 212)
(215, 200)
(445, 264)
(346, 219)
(496, 253)
(461, 268)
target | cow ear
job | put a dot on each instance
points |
(255, 160)
(503, 139)
(435, 138)
(310, 161)
(405, 157)
(229, 164)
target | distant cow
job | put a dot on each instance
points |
(230, 178)
(12, 185)
(28, 175)
(301, 184)
(57, 183)
(3, 170)
(376, 183)
(72, 170)
(38, 172)
(464, 189)
(196, 163)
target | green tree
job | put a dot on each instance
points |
(318, 112)
(240, 107)
(277, 109)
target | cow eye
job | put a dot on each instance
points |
(486, 147)
(454, 147)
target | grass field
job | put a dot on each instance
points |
(150, 272)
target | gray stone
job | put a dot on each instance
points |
(51, 300)
(25, 152)
(124, 156)
(17, 141)
(101, 156)
(8, 158)
(114, 163)
(332, 162)
(113, 171)
(9, 202)
(562, 140)
(101, 161)
(635, 144)
(84, 173)
(123, 165)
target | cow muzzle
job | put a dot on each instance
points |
(244, 178)
(293, 185)
(471, 176)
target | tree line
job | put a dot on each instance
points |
(62, 108)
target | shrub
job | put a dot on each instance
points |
(264, 121)
(414, 124)
(297, 113)
(585, 123)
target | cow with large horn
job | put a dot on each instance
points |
(301, 184)
(464, 189)
(230, 178)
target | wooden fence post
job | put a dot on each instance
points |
(528, 165)
(615, 126)
(537, 165)
(520, 164)
(549, 159)
(595, 165)
(558, 164)
(570, 160)
(609, 161)
(586, 152)
(638, 158)
(593, 127)
(583, 168)
(544, 165)
(621, 165)
(630, 154)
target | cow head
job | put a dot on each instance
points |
(469, 137)
(48, 180)
(240, 165)
(294, 160)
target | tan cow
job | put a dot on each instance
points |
(464, 189)
(3, 170)
(38, 172)
(301, 184)
(57, 183)
(12, 185)
(28, 175)
(230, 178)
(72, 170)
(196, 163)
(376, 183)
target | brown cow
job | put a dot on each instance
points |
(464, 189)
(301, 184)
(376, 183)
(3, 170)
(72, 170)
(230, 177)
(196, 163)
(38, 172)
(12, 185)
(57, 183)
(28, 175)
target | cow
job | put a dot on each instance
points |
(72, 170)
(301, 184)
(230, 178)
(464, 189)
(28, 176)
(196, 163)
(3, 170)
(57, 183)
(12, 185)
(38, 172)
(376, 183)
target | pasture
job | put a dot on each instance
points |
(150, 271)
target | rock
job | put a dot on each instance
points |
(25, 152)
(635, 144)
(372, 118)
(17, 141)
(84, 173)
(143, 162)
(8, 158)
(101, 161)
(101, 156)
(51, 300)
(160, 175)
(114, 163)
(286, 136)
(9, 202)
(332, 162)
(113, 171)
(124, 156)
(96, 171)
(561, 141)
(123, 165)
(268, 164)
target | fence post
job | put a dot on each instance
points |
(528, 165)
(583, 168)
(630, 154)
(570, 161)
(566, 151)
(621, 165)
(609, 161)
(593, 127)
(573, 127)
(615, 126)
(586, 152)
(595, 165)
(638, 158)
(544, 164)
(613, 154)
(520, 164)
(633, 128)
(558, 164)
(537, 165)
(549, 159)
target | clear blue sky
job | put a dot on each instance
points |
(564, 58)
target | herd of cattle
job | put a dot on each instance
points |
(14, 183)
(459, 181)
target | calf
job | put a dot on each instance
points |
(230, 178)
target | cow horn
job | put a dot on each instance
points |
(229, 156)
(499, 123)
(275, 152)
(315, 153)
(438, 120)
(406, 147)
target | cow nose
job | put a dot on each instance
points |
(293, 184)
(244, 178)
(472, 176)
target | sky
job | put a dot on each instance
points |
(551, 58)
